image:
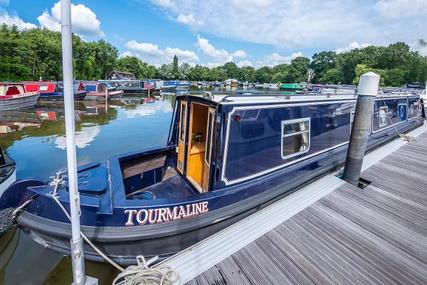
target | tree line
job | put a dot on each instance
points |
(35, 54)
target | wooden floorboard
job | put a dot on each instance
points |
(376, 235)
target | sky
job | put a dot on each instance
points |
(248, 32)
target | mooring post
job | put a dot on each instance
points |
(366, 92)
(77, 257)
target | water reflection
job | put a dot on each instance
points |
(35, 139)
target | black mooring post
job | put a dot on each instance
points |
(366, 92)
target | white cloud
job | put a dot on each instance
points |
(84, 20)
(295, 24)
(401, 8)
(239, 53)
(220, 56)
(352, 46)
(275, 59)
(152, 54)
(244, 63)
(84, 137)
(188, 20)
(10, 20)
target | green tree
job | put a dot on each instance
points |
(331, 76)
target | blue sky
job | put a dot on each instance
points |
(248, 32)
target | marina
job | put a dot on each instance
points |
(131, 155)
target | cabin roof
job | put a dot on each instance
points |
(279, 98)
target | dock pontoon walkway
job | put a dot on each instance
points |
(329, 232)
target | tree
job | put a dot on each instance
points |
(321, 63)
(363, 68)
(331, 76)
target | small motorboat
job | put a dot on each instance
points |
(225, 158)
(54, 91)
(14, 96)
(7, 172)
(101, 91)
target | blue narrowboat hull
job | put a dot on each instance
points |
(59, 96)
(249, 176)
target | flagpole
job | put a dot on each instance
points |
(77, 257)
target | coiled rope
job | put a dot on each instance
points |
(141, 273)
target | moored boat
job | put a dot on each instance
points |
(53, 91)
(14, 96)
(101, 91)
(7, 172)
(226, 157)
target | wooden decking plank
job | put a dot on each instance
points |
(399, 212)
(300, 260)
(335, 239)
(283, 262)
(265, 264)
(395, 183)
(324, 263)
(232, 272)
(375, 251)
(337, 259)
(251, 269)
(383, 225)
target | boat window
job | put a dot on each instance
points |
(182, 121)
(383, 116)
(43, 88)
(295, 137)
(208, 139)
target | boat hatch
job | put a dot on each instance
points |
(195, 143)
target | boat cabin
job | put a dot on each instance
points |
(222, 141)
(11, 89)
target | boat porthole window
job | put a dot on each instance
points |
(383, 116)
(295, 137)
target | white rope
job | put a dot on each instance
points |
(144, 275)
(135, 274)
(405, 137)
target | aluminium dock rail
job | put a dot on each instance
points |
(329, 232)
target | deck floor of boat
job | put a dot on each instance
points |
(171, 188)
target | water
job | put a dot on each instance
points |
(35, 139)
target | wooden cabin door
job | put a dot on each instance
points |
(182, 133)
(208, 149)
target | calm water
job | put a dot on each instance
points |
(35, 139)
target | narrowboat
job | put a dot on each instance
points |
(128, 86)
(102, 90)
(14, 96)
(53, 91)
(7, 171)
(226, 157)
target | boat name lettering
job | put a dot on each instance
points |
(166, 214)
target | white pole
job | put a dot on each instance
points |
(67, 65)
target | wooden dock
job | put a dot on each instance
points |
(376, 235)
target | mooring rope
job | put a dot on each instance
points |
(135, 274)
(405, 137)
